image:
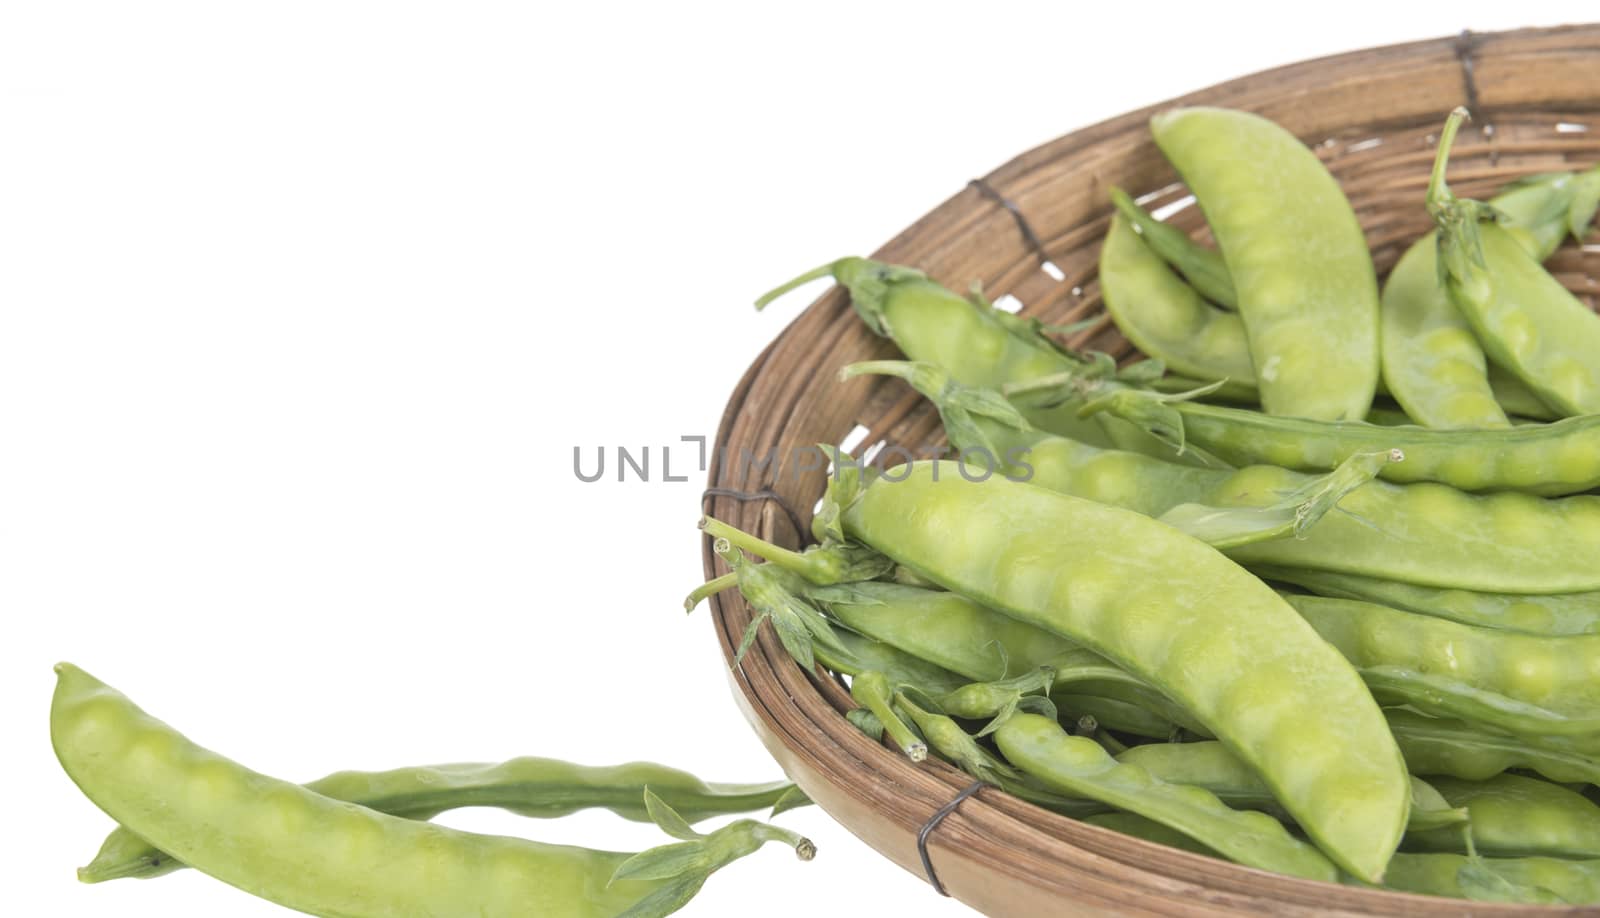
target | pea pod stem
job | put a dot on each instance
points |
(784, 557)
(873, 691)
(820, 564)
(958, 747)
(814, 274)
(709, 589)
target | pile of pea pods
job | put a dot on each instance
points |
(1314, 588)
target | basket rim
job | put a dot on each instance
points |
(841, 769)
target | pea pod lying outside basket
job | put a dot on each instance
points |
(528, 786)
(300, 849)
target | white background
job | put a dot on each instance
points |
(307, 304)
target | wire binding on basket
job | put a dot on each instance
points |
(1466, 43)
(933, 823)
(987, 190)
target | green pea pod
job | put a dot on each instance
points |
(1422, 534)
(855, 655)
(1291, 512)
(1446, 746)
(929, 322)
(1516, 398)
(1172, 611)
(1540, 879)
(1307, 291)
(1553, 673)
(1551, 616)
(1137, 826)
(1448, 696)
(1203, 268)
(1516, 816)
(1432, 361)
(1210, 765)
(1536, 879)
(961, 637)
(1524, 318)
(1077, 765)
(954, 632)
(977, 344)
(528, 786)
(1005, 441)
(308, 852)
(1165, 318)
(1549, 460)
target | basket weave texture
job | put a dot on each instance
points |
(1032, 229)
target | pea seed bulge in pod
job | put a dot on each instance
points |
(1113, 461)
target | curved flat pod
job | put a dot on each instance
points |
(1532, 325)
(329, 857)
(1174, 611)
(1555, 673)
(1432, 362)
(1299, 261)
(1550, 460)
(1165, 317)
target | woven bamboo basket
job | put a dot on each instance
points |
(1032, 229)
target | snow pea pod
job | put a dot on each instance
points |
(1544, 459)
(1448, 696)
(1165, 318)
(528, 786)
(961, 636)
(973, 341)
(1554, 673)
(1516, 398)
(1432, 362)
(1422, 533)
(1307, 291)
(1445, 746)
(1079, 766)
(1516, 816)
(1210, 765)
(853, 655)
(1203, 268)
(1574, 882)
(1170, 610)
(970, 416)
(1525, 319)
(1137, 826)
(305, 851)
(1550, 615)
(1533, 879)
